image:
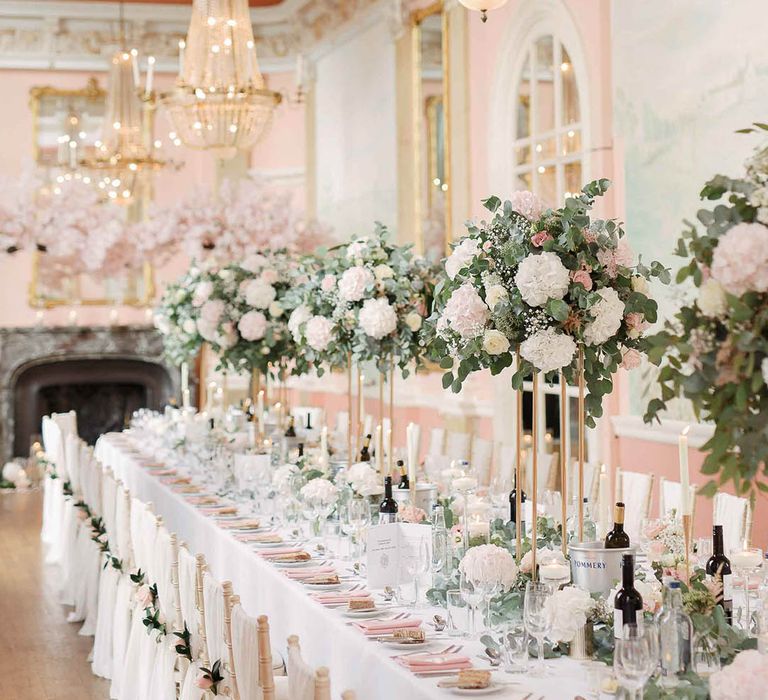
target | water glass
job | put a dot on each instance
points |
(514, 644)
(473, 596)
(536, 617)
(457, 613)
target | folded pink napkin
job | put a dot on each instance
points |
(202, 500)
(277, 551)
(385, 626)
(239, 524)
(309, 572)
(418, 663)
(331, 598)
(164, 473)
(219, 510)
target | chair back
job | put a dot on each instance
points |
(635, 490)
(200, 568)
(436, 441)
(67, 422)
(481, 459)
(671, 497)
(245, 648)
(213, 593)
(458, 445)
(733, 513)
(266, 674)
(301, 676)
(188, 599)
(322, 684)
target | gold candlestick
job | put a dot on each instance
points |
(535, 475)
(518, 468)
(581, 445)
(349, 409)
(564, 460)
(687, 526)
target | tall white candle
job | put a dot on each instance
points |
(324, 446)
(182, 46)
(604, 501)
(185, 398)
(299, 70)
(184, 376)
(135, 67)
(212, 386)
(260, 404)
(685, 480)
(361, 400)
(150, 75)
(410, 436)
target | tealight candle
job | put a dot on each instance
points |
(479, 528)
(554, 571)
(465, 484)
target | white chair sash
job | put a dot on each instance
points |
(732, 513)
(301, 676)
(634, 490)
(213, 594)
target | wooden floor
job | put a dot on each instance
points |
(42, 657)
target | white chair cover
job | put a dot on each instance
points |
(67, 422)
(732, 513)
(246, 654)
(436, 441)
(635, 490)
(187, 590)
(301, 676)
(103, 637)
(482, 456)
(670, 498)
(213, 595)
(72, 449)
(457, 445)
(121, 621)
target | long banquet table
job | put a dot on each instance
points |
(326, 637)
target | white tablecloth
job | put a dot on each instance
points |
(326, 638)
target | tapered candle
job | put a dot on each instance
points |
(182, 46)
(150, 75)
(185, 398)
(135, 67)
(685, 480)
(184, 376)
(260, 404)
(604, 502)
(299, 70)
(324, 446)
(379, 450)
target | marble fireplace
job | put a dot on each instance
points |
(104, 373)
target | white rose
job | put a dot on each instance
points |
(202, 291)
(542, 277)
(462, 254)
(495, 342)
(162, 324)
(276, 309)
(383, 272)
(189, 326)
(640, 284)
(414, 321)
(301, 314)
(495, 294)
(711, 299)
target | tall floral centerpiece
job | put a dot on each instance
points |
(362, 301)
(548, 290)
(714, 351)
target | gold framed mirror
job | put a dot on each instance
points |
(60, 118)
(430, 126)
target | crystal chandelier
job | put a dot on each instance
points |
(220, 102)
(124, 152)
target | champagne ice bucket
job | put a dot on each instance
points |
(426, 496)
(595, 568)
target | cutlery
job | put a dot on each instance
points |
(439, 623)
(452, 649)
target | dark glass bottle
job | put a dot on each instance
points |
(628, 605)
(616, 537)
(719, 569)
(388, 507)
(300, 448)
(513, 508)
(365, 453)
(309, 420)
(290, 431)
(405, 482)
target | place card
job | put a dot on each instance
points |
(387, 546)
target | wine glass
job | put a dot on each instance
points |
(416, 562)
(536, 617)
(473, 596)
(633, 662)
(746, 562)
(358, 517)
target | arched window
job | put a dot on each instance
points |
(548, 140)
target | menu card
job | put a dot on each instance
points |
(388, 545)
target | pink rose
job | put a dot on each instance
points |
(269, 276)
(144, 596)
(634, 320)
(540, 238)
(412, 514)
(81, 514)
(487, 246)
(706, 271)
(328, 284)
(583, 278)
(204, 681)
(630, 358)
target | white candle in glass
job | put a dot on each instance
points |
(465, 484)
(554, 571)
(410, 436)
(747, 559)
(685, 482)
(479, 528)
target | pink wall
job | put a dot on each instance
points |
(283, 148)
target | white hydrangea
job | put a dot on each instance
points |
(353, 282)
(189, 326)
(711, 299)
(548, 350)
(252, 326)
(461, 255)
(490, 565)
(542, 277)
(465, 312)
(650, 592)
(203, 291)
(259, 295)
(319, 332)
(607, 315)
(568, 609)
(319, 492)
(363, 479)
(377, 318)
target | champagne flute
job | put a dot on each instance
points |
(536, 618)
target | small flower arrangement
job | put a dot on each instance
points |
(568, 608)
(209, 678)
(547, 283)
(319, 492)
(363, 479)
(714, 352)
(666, 547)
(413, 514)
(489, 565)
(366, 299)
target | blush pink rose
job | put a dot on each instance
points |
(269, 276)
(328, 284)
(540, 238)
(630, 358)
(583, 278)
(204, 681)
(144, 596)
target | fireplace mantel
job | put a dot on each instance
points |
(24, 348)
